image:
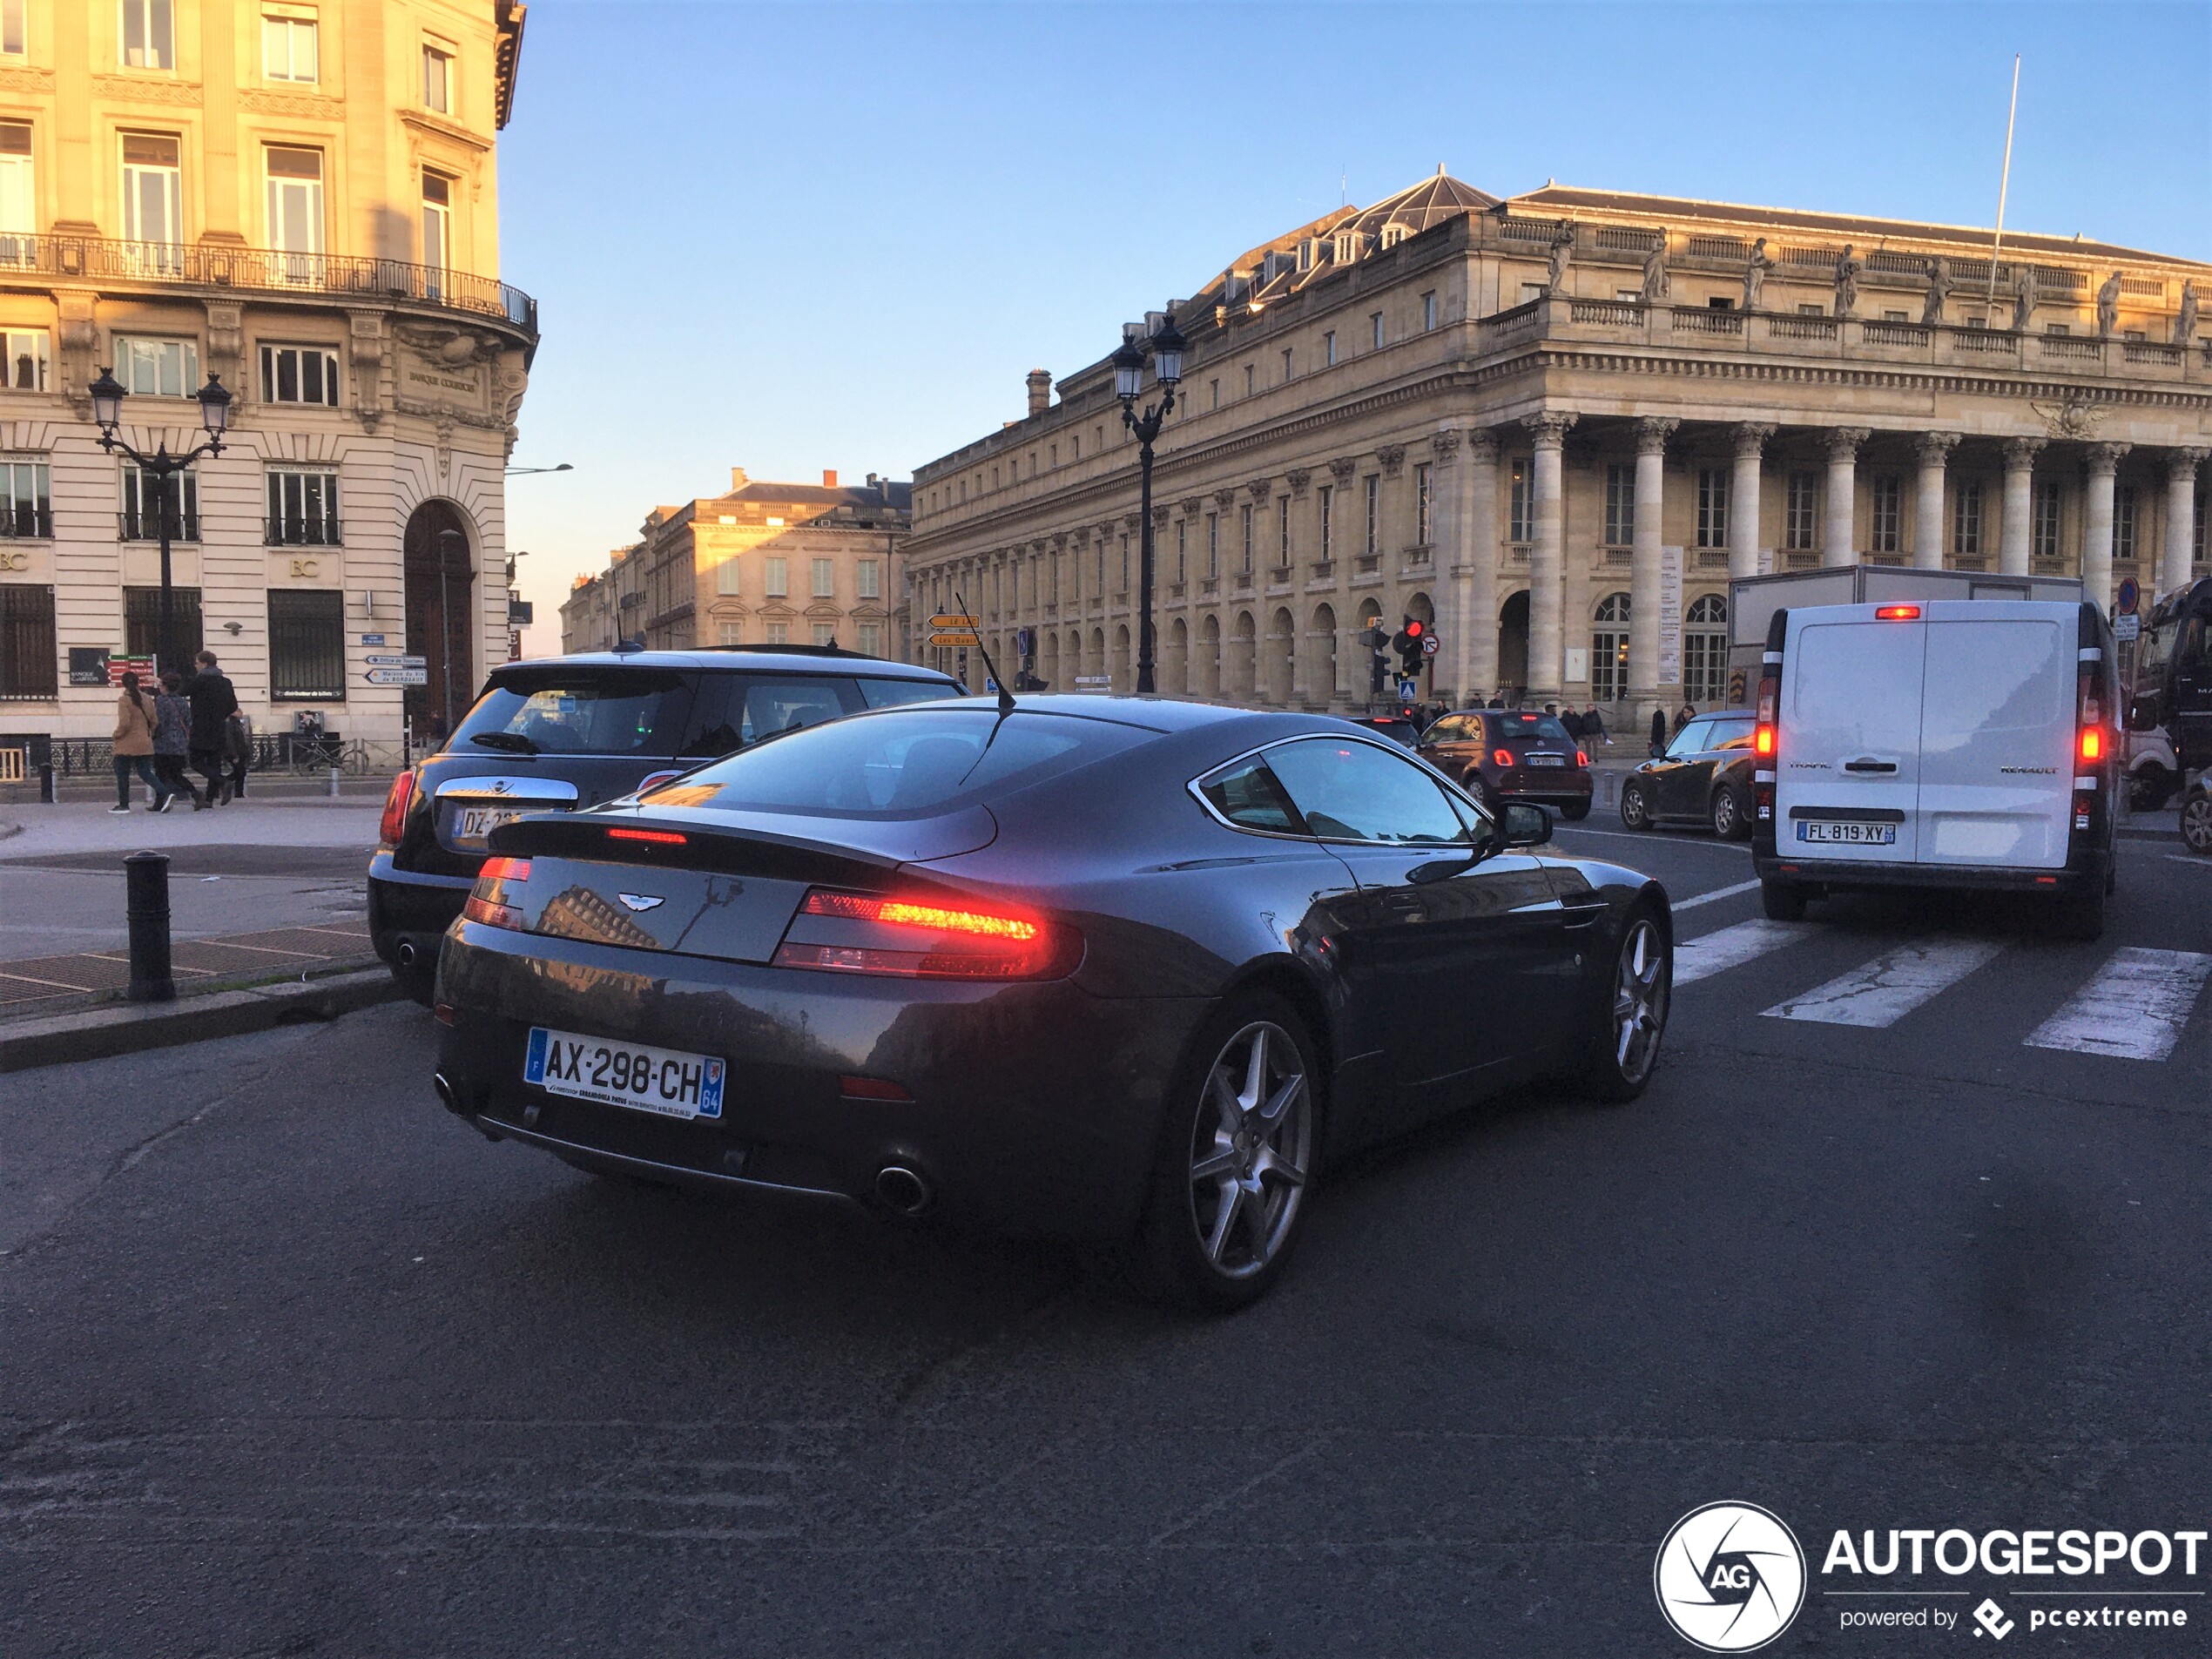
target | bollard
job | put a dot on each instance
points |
(46, 795)
(333, 782)
(146, 882)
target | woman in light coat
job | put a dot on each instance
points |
(134, 719)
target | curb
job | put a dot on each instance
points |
(6, 830)
(96, 1034)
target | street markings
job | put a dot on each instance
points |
(1716, 896)
(1882, 991)
(1716, 953)
(2133, 1008)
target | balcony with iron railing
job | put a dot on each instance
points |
(320, 531)
(26, 520)
(138, 526)
(100, 259)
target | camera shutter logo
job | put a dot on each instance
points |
(1730, 1577)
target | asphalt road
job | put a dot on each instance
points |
(291, 1363)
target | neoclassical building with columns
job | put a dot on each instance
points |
(1556, 425)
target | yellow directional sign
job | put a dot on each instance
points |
(952, 637)
(949, 621)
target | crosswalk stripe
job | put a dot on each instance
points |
(1732, 947)
(1884, 991)
(2134, 1008)
(1716, 895)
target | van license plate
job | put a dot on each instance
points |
(1847, 831)
(476, 822)
(645, 1079)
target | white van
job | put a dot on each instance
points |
(1951, 742)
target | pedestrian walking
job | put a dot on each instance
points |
(1572, 720)
(173, 740)
(1684, 716)
(237, 748)
(133, 746)
(214, 701)
(1497, 700)
(1658, 732)
(1594, 726)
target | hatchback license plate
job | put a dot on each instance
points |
(662, 1081)
(476, 822)
(1545, 760)
(1848, 831)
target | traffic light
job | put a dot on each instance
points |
(1377, 641)
(1411, 645)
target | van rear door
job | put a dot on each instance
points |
(1997, 734)
(1849, 743)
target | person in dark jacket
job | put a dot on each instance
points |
(214, 701)
(238, 749)
(172, 739)
(1594, 725)
(1572, 719)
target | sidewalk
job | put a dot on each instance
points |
(48, 984)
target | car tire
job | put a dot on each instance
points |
(1636, 811)
(2196, 822)
(1630, 1018)
(1188, 1254)
(2081, 917)
(1485, 797)
(2149, 788)
(1730, 821)
(1574, 811)
(1782, 900)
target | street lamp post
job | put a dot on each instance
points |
(161, 466)
(1165, 348)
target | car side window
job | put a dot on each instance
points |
(1349, 791)
(1731, 735)
(1250, 797)
(1689, 740)
(1452, 728)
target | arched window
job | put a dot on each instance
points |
(1704, 651)
(1609, 649)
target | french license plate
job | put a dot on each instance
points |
(1545, 760)
(1850, 831)
(645, 1079)
(477, 822)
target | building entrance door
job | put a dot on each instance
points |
(1513, 643)
(441, 584)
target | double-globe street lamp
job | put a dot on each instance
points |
(161, 466)
(1165, 348)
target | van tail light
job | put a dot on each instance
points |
(1898, 613)
(488, 900)
(1501, 757)
(2092, 744)
(1763, 742)
(1766, 742)
(393, 824)
(926, 936)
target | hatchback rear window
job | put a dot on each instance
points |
(897, 763)
(1528, 728)
(637, 711)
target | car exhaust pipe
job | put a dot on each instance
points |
(405, 953)
(901, 1189)
(447, 1097)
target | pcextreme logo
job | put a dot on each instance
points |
(1730, 1577)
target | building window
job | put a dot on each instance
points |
(1283, 532)
(729, 633)
(1213, 395)
(1885, 535)
(1123, 588)
(1517, 504)
(1248, 541)
(1620, 504)
(1251, 371)
(728, 579)
(1329, 349)
(307, 645)
(1712, 507)
(1286, 365)
(2196, 536)
(825, 573)
(1801, 513)
(303, 509)
(26, 499)
(1814, 309)
(779, 633)
(1180, 567)
(2123, 523)
(2043, 519)
(1965, 519)
(295, 202)
(153, 189)
(142, 622)
(778, 570)
(25, 369)
(157, 368)
(146, 504)
(18, 199)
(1328, 527)
(1074, 446)
(437, 77)
(149, 36)
(299, 374)
(27, 657)
(1609, 649)
(871, 639)
(1374, 513)
(1422, 483)
(289, 45)
(13, 42)
(437, 222)
(826, 633)
(870, 579)
(1531, 291)
(1374, 329)
(1428, 311)
(1704, 653)
(1213, 546)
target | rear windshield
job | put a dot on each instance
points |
(1528, 728)
(899, 763)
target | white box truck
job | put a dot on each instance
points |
(1947, 743)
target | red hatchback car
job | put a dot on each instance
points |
(1511, 754)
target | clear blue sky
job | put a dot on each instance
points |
(793, 237)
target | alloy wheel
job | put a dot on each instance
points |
(1250, 1149)
(1639, 991)
(2197, 823)
(1632, 812)
(1725, 815)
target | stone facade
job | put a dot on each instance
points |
(303, 201)
(1551, 426)
(765, 563)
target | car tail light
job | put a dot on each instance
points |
(924, 937)
(652, 838)
(1581, 758)
(394, 823)
(1501, 757)
(488, 900)
(1898, 613)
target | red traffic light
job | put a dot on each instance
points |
(1413, 629)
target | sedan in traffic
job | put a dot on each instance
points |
(1132, 971)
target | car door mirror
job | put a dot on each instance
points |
(1524, 824)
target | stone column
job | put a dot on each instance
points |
(2180, 516)
(1547, 555)
(2019, 492)
(1928, 500)
(1459, 484)
(1839, 540)
(1652, 434)
(1742, 508)
(2097, 529)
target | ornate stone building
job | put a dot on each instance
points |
(300, 197)
(765, 563)
(1555, 426)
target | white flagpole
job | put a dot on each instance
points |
(2006, 182)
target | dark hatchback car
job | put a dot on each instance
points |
(1703, 778)
(1500, 755)
(568, 732)
(1401, 729)
(1125, 971)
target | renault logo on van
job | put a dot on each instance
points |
(2033, 772)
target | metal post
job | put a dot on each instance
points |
(1144, 571)
(146, 885)
(46, 794)
(333, 782)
